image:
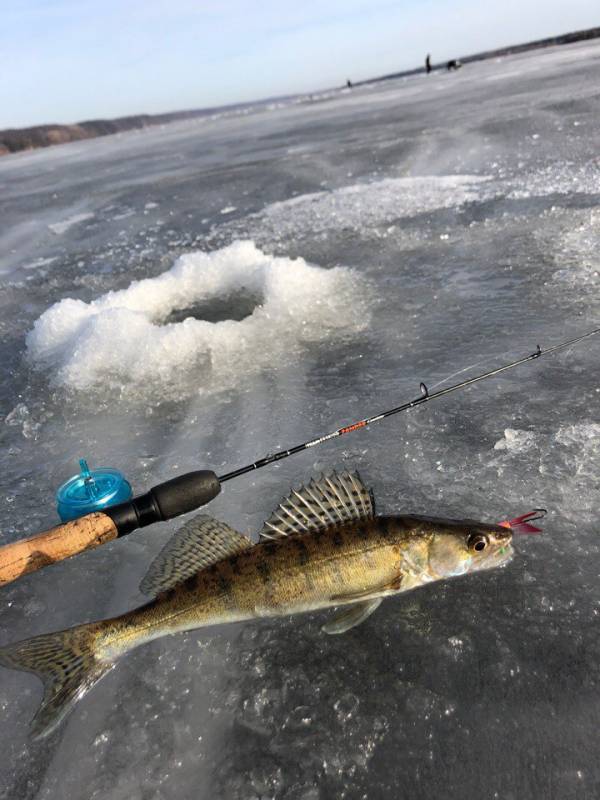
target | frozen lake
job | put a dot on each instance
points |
(390, 234)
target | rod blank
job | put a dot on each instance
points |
(425, 397)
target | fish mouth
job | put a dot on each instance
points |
(502, 555)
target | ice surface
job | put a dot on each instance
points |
(367, 205)
(445, 223)
(63, 227)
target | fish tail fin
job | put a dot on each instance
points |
(523, 524)
(66, 664)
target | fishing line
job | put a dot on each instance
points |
(426, 396)
(461, 371)
(482, 361)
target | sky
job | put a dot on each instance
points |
(71, 60)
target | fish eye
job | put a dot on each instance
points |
(477, 542)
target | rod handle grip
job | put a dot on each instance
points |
(68, 539)
(165, 501)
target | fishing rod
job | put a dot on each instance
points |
(192, 490)
(425, 397)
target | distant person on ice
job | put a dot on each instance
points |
(349, 83)
(428, 63)
(454, 63)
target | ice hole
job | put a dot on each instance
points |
(234, 306)
(200, 326)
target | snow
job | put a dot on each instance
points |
(123, 338)
(396, 233)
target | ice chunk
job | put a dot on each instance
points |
(515, 441)
(21, 416)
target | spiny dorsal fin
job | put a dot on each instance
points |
(331, 500)
(199, 543)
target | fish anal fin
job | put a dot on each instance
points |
(351, 616)
(332, 499)
(202, 541)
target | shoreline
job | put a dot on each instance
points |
(16, 140)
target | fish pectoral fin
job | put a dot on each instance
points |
(350, 617)
(202, 541)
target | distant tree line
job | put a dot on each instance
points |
(15, 139)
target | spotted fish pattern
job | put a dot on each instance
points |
(323, 547)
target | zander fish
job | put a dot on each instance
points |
(323, 547)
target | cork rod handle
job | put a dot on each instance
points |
(29, 555)
(164, 501)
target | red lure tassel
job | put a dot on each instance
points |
(522, 524)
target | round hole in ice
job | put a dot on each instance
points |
(205, 324)
(235, 306)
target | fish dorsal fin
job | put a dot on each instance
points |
(199, 543)
(330, 500)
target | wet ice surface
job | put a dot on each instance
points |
(463, 210)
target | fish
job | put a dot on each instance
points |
(323, 547)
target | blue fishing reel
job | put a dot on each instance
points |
(91, 490)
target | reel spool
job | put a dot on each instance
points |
(91, 490)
